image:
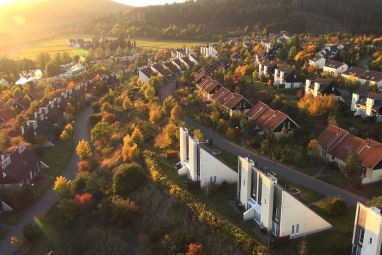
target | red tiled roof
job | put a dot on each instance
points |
(221, 92)
(211, 86)
(257, 110)
(339, 142)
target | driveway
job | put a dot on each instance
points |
(46, 202)
(287, 172)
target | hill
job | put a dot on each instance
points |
(27, 22)
(204, 19)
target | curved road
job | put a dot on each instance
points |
(46, 202)
(287, 172)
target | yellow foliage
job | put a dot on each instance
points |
(317, 106)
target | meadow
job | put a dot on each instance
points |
(30, 50)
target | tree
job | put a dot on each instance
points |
(168, 104)
(84, 202)
(176, 113)
(195, 249)
(126, 104)
(126, 178)
(375, 202)
(84, 166)
(123, 211)
(65, 136)
(149, 92)
(52, 69)
(199, 135)
(83, 150)
(303, 247)
(129, 151)
(162, 140)
(155, 113)
(137, 136)
(62, 187)
(314, 147)
(351, 166)
(102, 132)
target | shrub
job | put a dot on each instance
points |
(31, 232)
(195, 249)
(84, 202)
(335, 206)
(84, 166)
(123, 211)
(126, 178)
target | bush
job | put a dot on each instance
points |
(335, 206)
(31, 232)
(123, 211)
(126, 178)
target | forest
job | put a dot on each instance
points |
(209, 19)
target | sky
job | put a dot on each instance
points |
(146, 2)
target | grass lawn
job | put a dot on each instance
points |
(53, 45)
(329, 242)
(56, 157)
(307, 195)
(164, 44)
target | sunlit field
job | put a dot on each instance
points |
(162, 44)
(30, 50)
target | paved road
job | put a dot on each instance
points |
(287, 172)
(46, 202)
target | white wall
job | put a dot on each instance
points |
(211, 167)
(294, 212)
(373, 231)
(245, 185)
(143, 77)
(266, 201)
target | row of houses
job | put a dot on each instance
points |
(210, 51)
(261, 114)
(47, 119)
(273, 208)
(265, 202)
(356, 74)
(168, 68)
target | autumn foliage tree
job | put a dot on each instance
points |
(84, 166)
(317, 106)
(84, 202)
(83, 150)
(195, 249)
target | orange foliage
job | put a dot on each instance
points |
(317, 106)
(195, 249)
(83, 201)
(84, 165)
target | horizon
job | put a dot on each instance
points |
(142, 3)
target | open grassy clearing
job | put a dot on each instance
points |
(164, 44)
(52, 46)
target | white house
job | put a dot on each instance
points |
(210, 51)
(266, 68)
(178, 64)
(272, 207)
(317, 62)
(194, 58)
(367, 104)
(335, 67)
(364, 76)
(155, 67)
(286, 75)
(367, 233)
(145, 74)
(199, 163)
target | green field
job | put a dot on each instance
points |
(30, 50)
(164, 44)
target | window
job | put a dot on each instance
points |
(214, 179)
(210, 179)
(370, 240)
(361, 236)
(297, 228)
(292, 229)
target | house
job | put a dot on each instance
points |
(199, 163)
(329, 52)
(336, 143)
(286, 75)
(322, 87)
(156, 68)
(20, 167)
(178, 64)
(364, 76)
(272, 207)
(266, 68)
(210, 51)
(209, 87)
(3, 82)
(234, 103)
(186, 62)
(194, 58)
(169, 66)
(145, 74)
(4, 207)
(178, 53)
(367, 233)
(274, 121)
(367, 104)
(317, 62)
(268, 46)
(335, 68)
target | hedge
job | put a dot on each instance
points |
(205, 214)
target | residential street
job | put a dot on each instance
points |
(287, 172)
(46, 202)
